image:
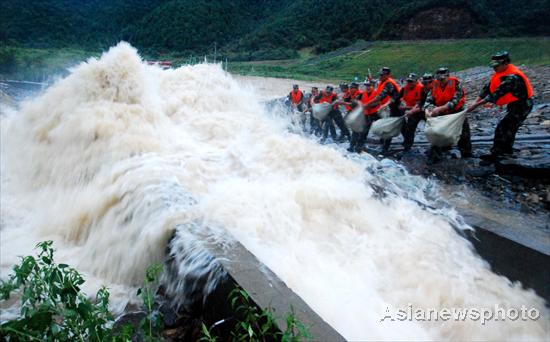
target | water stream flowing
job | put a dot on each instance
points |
(110, 160)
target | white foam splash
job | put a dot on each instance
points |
(104, 160)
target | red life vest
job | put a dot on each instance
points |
(412, 97)
(366, 98)
(355, 94)
(351, 95)
(329, 99)
(296, 96)
(442, 97)
(382, 85)
(497, 79)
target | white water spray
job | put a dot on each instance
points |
(108, 161)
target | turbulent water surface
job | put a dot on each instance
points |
(108, 161)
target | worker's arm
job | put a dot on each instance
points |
(429, 104)
(459, 92)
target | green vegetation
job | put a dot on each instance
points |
(403, 57)
(259, 29)
(257, 325)
(33, 64)
(53, 308)
(52, 305)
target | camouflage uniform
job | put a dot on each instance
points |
(517, 111)
(409, 129)
(389, 90)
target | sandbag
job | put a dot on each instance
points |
(387, 127)
(445, 130)
(355, 120)
(321, 110)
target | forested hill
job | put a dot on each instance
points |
(260, 29)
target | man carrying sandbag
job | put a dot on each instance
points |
(447, 97)
(314, 124)
(296, 98)
(509, 86)
(358, 139)
(413, 98)
(297, 104)
(334, 116)
(387, 92)
(349, 96)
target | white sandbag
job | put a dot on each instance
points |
(445, 130)
(355, 120)
(387, 127)
(321, 110)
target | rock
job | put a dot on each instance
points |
(546, 124)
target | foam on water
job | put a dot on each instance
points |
(108, 161)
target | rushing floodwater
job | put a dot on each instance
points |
(108, 161)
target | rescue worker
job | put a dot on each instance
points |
(297, 102)
(344, 94)
(344, 89)
(358, 140)
(508, 86)
(448, 97)
(334, 116)
(349, 97)
(387, 93)
(314, 124)
(296, 98)
(413, 97)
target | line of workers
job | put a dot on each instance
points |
(429, 96)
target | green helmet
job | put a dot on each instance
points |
(501, 57)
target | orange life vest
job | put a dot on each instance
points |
(366, 98)
(329, 99)
(442, 97)
(382, 85)
(296, 96)
(497, 79)
(411, 97)
(351, 95)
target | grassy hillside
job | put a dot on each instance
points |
(33, 64)
(344, 64)
(402, 56)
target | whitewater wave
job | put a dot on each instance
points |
(108, 161)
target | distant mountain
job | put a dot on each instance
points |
(261, 29)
